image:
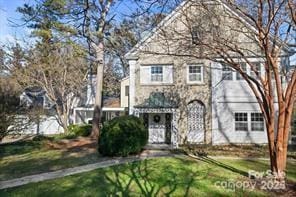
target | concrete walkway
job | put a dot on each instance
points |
(107, 163)
(85, 168)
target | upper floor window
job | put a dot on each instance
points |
(257, 122)
(257, 67)
(226, 72)
(196, 34)
(194, 73)
(229, 74)
(243, 66)
(241, 121)
(156, 73)
(126, 90)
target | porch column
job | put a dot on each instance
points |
(136, 113)
(132, 85)
(174, 134)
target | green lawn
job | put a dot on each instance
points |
(156, 177)
(33, 157)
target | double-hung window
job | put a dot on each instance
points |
(156, 74)
(226, 72)
(195, 73)
(241, 121)
(257, 122)
(243, 66)
(249, 121)
(257, 67)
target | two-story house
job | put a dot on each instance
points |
(188, 98)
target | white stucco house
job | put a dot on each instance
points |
(112, 106)
(189, 100)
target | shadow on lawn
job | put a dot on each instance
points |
(138, 175)
(222, 165)
(145, 179)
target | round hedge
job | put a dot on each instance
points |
(122, 136)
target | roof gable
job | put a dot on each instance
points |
(176, 12)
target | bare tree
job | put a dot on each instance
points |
(231, 32)
(97, 16)
(61, 73)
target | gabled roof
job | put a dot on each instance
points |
(164, 22)
(125, 78)
(169, 18)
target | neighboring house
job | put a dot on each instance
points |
(186, 100)
(45, 124)
(112, 107)
(82, 112)
(35, 96)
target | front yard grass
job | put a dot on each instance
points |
(244, 151)
(32, 157)
(177, 176)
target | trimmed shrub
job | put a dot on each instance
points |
(79, 130)
(123, 136)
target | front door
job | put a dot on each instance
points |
(157, 128)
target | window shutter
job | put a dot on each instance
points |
(145, 74)
(168, 74)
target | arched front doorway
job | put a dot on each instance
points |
(195, 122)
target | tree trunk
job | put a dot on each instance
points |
(62, 119)
(278, 146)
(271, 144)
(99, 88)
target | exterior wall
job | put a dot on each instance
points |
(47, 126)
(179, 90)
(124, 100)
(91, 89)
(229, 97)
(171, 44)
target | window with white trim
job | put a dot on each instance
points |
(241, 121)
(243, 66)
(257, 66)
(156, 74)
(194, 73)
(257, 122)
(226, 72)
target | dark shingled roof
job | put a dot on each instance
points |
(158, 100)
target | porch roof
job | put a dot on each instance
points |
(158, 100)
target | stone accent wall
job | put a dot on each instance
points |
(180, 91)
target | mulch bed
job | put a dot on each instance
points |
(77, 144)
